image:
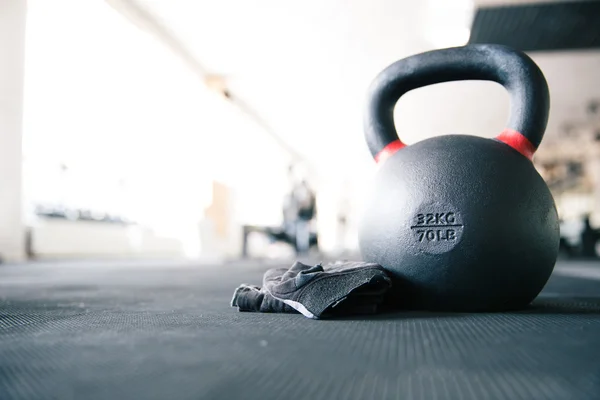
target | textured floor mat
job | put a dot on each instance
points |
(169, 333)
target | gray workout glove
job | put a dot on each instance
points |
(340, 288)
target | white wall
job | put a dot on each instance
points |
(112, 103)
(12, 37)
(54, 238)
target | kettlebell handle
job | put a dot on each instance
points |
(520, 76)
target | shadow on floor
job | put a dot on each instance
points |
(541, 306)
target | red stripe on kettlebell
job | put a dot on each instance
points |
(517, 141)
(389, 151)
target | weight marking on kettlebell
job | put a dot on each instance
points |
(437, 235)
(437, 232)
(436, 226)
(435, 219)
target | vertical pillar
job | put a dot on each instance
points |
(12, 49)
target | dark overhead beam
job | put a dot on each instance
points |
(572, 25)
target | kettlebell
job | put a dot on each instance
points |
(461, 223)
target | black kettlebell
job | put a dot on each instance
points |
(463, 223)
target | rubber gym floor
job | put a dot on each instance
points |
(154, 330)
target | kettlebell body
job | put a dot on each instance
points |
(462, 223)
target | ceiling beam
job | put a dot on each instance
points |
(146, 21)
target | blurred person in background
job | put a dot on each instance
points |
(589, 239)
(299, 211)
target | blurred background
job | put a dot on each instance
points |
(220, 130)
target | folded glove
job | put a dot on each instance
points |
(340, 288)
